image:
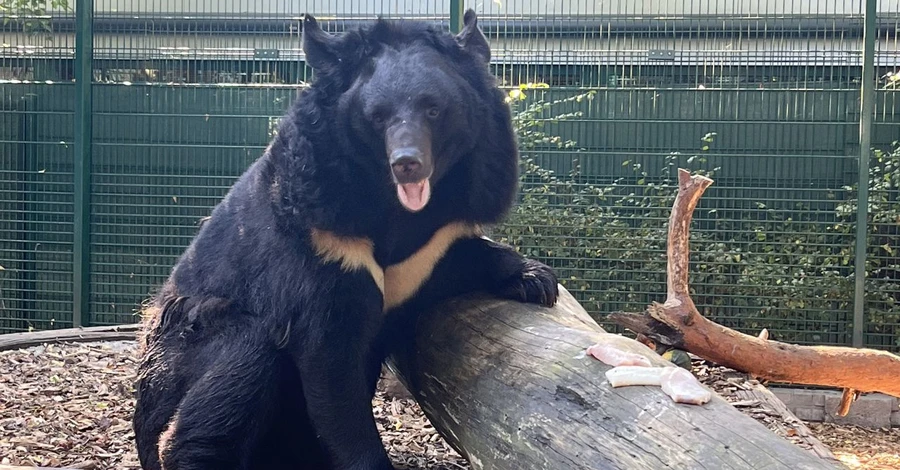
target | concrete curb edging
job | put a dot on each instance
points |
(874, 410)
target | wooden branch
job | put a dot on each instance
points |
(678, 323)
(508, 385)
(847, 398)
(81, 335)
(690, 188)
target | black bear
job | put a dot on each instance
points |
(263, 347)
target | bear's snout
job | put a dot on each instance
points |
(409, 152)
(411, 168)
(408, 165)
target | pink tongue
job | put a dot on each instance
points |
(414, 196)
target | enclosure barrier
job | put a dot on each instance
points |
(123, 123)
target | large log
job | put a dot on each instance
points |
(509, 386)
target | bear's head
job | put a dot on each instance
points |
(419, 108)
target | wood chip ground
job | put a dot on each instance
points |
(69, 405)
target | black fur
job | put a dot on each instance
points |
(256, 353)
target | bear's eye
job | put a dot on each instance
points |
(433, 112)
(378, 119)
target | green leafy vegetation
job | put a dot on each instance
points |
(788, 270)
(32, 15)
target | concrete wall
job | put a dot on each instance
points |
(871, 411)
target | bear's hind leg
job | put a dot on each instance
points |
(222, 419)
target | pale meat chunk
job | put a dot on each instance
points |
(614, 356)
(624, 376)
(683, 387)
(677, 383)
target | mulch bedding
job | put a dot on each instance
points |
(69, 405)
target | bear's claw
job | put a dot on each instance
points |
(536, 284)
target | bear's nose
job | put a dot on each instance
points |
(406, 164)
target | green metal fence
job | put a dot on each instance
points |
(763, 95)
(36, 176)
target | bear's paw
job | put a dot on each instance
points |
(536, 284)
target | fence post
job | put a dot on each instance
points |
(866, 118)
(456, 16)
(84, 54)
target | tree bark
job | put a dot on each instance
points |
(677, 323)
(509, 386)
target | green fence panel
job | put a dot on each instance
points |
(36, 179)
(764, 96)
(882, 319)
(163, 157)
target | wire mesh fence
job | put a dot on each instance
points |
(36, 190)
(609, 97)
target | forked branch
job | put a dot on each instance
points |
(677, 323)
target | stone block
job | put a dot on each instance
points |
(818, 398)
(810, 413)
(786, 395)
(806, 398)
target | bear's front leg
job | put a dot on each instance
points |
(340, 408)
(510, 275)
(519, 278)
(481, 264)
(333, 364)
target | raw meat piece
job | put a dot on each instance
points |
(616, 357)
(624, 376)
(677, 383)
(683, 387)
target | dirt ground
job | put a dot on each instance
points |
(856, 447)
(860, 448)
(70, 405)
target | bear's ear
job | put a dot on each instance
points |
(472, 39)
(319, 47)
